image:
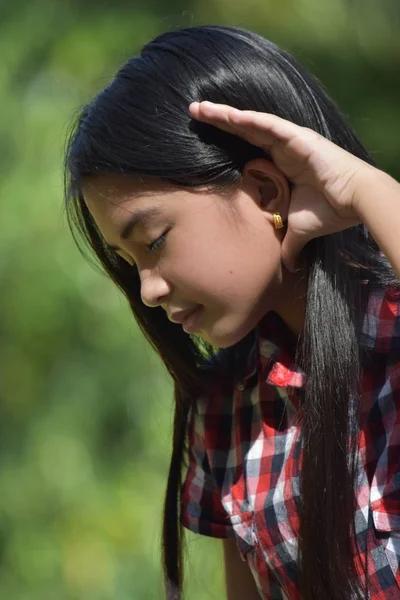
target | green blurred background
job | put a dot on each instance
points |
(85, 403)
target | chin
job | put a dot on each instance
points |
(222, 339)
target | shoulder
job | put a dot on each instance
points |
(381, 324)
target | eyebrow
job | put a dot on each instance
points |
(139, 218)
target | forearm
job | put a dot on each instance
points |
(377, 202)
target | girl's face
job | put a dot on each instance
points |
(196, 249)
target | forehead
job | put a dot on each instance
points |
(102, 192)
(111, 198)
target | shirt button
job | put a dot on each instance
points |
(240, 387)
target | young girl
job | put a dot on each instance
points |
(257, 245)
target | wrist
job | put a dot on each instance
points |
(372, 185)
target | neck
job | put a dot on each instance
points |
(292, 308)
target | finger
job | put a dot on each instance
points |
(261, 129)
(237, 122)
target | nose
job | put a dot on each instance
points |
(153, 289)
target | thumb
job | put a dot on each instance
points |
(292, 245)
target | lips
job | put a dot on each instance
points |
(191, 323)
(182, 315)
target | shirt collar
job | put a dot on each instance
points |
(274, 352)
(275, 345)
(381, 324)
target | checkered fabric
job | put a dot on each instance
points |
(244, 451)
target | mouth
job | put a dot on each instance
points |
(191, 323)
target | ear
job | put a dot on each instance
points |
(268, 186)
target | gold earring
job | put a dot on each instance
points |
(278, 221)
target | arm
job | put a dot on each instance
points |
(238, 578)
(377, 202)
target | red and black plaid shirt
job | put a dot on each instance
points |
(244, 453)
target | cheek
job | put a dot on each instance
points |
(229, 269)
(200, 265)
(256, 268)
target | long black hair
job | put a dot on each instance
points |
(139, 125)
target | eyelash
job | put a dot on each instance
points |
(157, 243)
(153, 247)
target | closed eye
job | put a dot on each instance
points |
(157, 243)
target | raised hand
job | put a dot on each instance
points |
(324, 176)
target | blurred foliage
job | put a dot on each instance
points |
(85, 411)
